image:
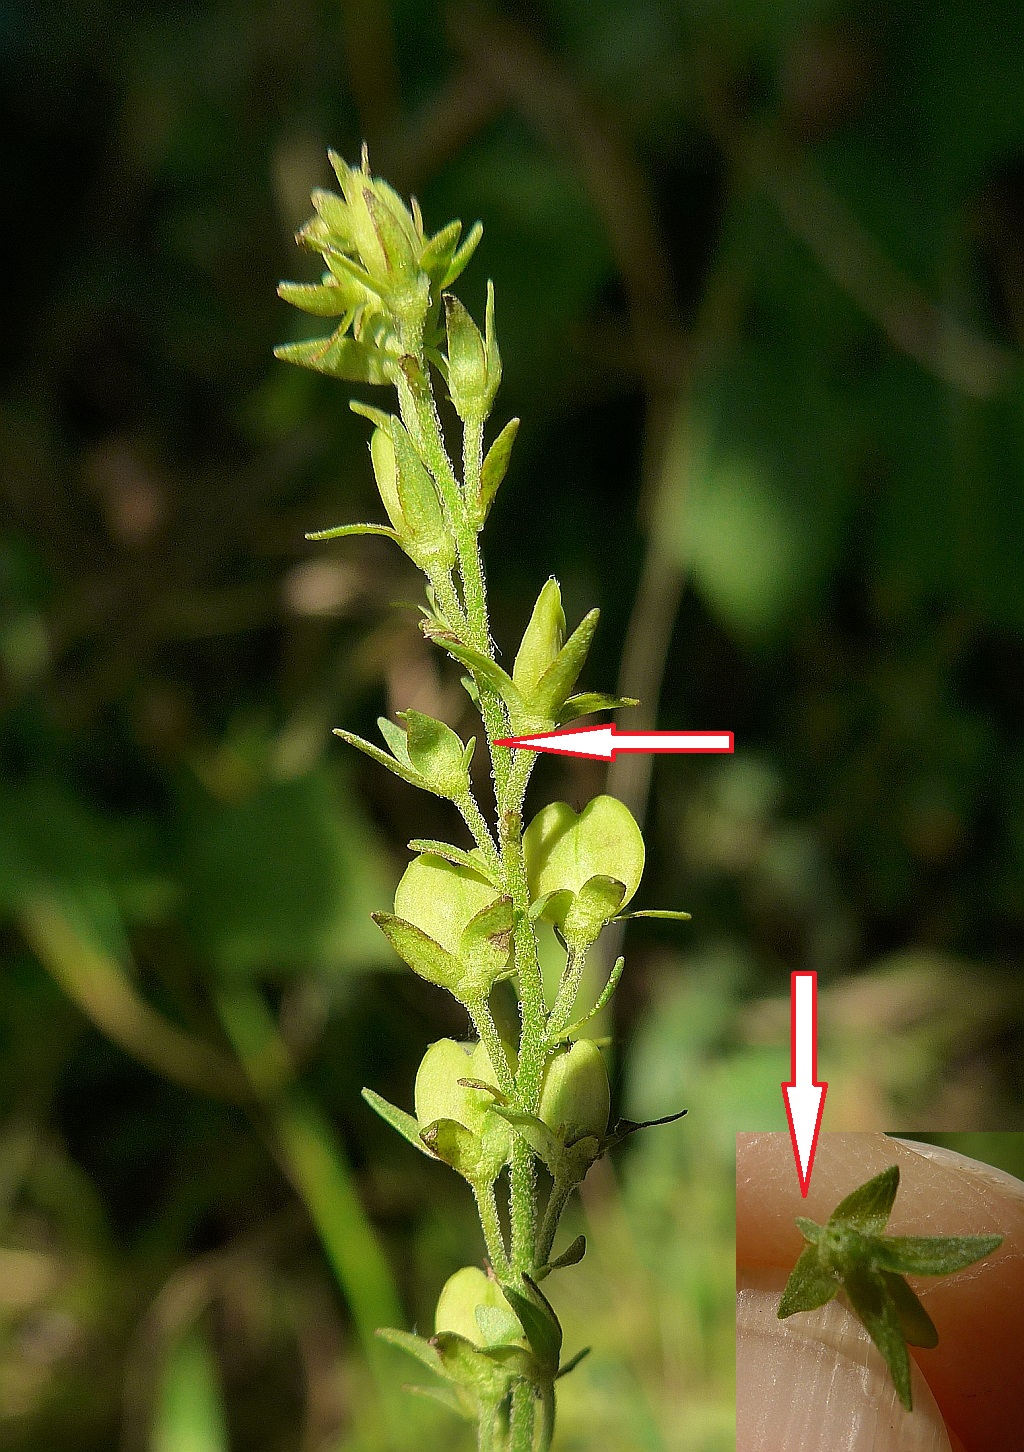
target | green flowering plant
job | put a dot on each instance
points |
(466, 918)
(851, 1254)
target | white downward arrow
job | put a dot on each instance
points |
(804, 1097)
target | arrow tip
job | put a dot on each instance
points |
(805, 1104)
(590, 742)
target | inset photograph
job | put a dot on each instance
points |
(884, 1310)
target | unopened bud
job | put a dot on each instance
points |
(466, 1292)
(542, 639)
(576, 1098)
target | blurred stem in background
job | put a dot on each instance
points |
(313, 1159)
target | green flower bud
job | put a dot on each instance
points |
(384, 283)
(474, 366)
(441, 899)
(542, 640)
(438, 1093)
(470, 1302)
(576, 1099)
(438, 755)
(564, 852)
(410, 497)
(385, 470)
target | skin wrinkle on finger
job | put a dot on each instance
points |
(978, 1367)
(846, 1401)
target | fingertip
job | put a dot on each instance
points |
(816, 1381)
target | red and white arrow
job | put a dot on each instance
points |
(804, 1097)
(603, 743)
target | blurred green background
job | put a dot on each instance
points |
(760, 280)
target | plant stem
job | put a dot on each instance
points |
(560, 1192)
(474, 820)
(520, 1430)
(486, 1431)
(487, 1206)
(483, 1022)
(547, 1422)
(511, 774)
(561, 1009)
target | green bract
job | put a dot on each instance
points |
(465, 915)
(851, 1254)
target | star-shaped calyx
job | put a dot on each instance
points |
(850, 1253)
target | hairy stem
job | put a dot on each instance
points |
(561, 1009)
(520, 1430)
(560, 1192)
(486, 1431)
(483, 1022)
(487, 1206)
(475, 821)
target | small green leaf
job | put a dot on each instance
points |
(376, 416)
(810, 1285)
(437, 754)
(870, 1299)
(587, 702)
(572, 1255)
(486, 942)
(396, 738)
(399, 1120)
(467, 363)
(339, 357)
(327, 299)
(339, 531)
(572, 1363)
(380, 757)
(455, 1144)
(625, 1127)
(495, 467)
(558, 680)
(455, 855)
(932, 1255)
(483, 668)
(868, 1207)
(448, 1396)
(423, 955)
(604, 996)
(543, 638)
(596, 903)
(427, 539)
(850, 1250)
(415, 1346)
(539, 1321)
(436, 256)
(536, 1134)
(915, 1322)
(460, 258)
(667, 914)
